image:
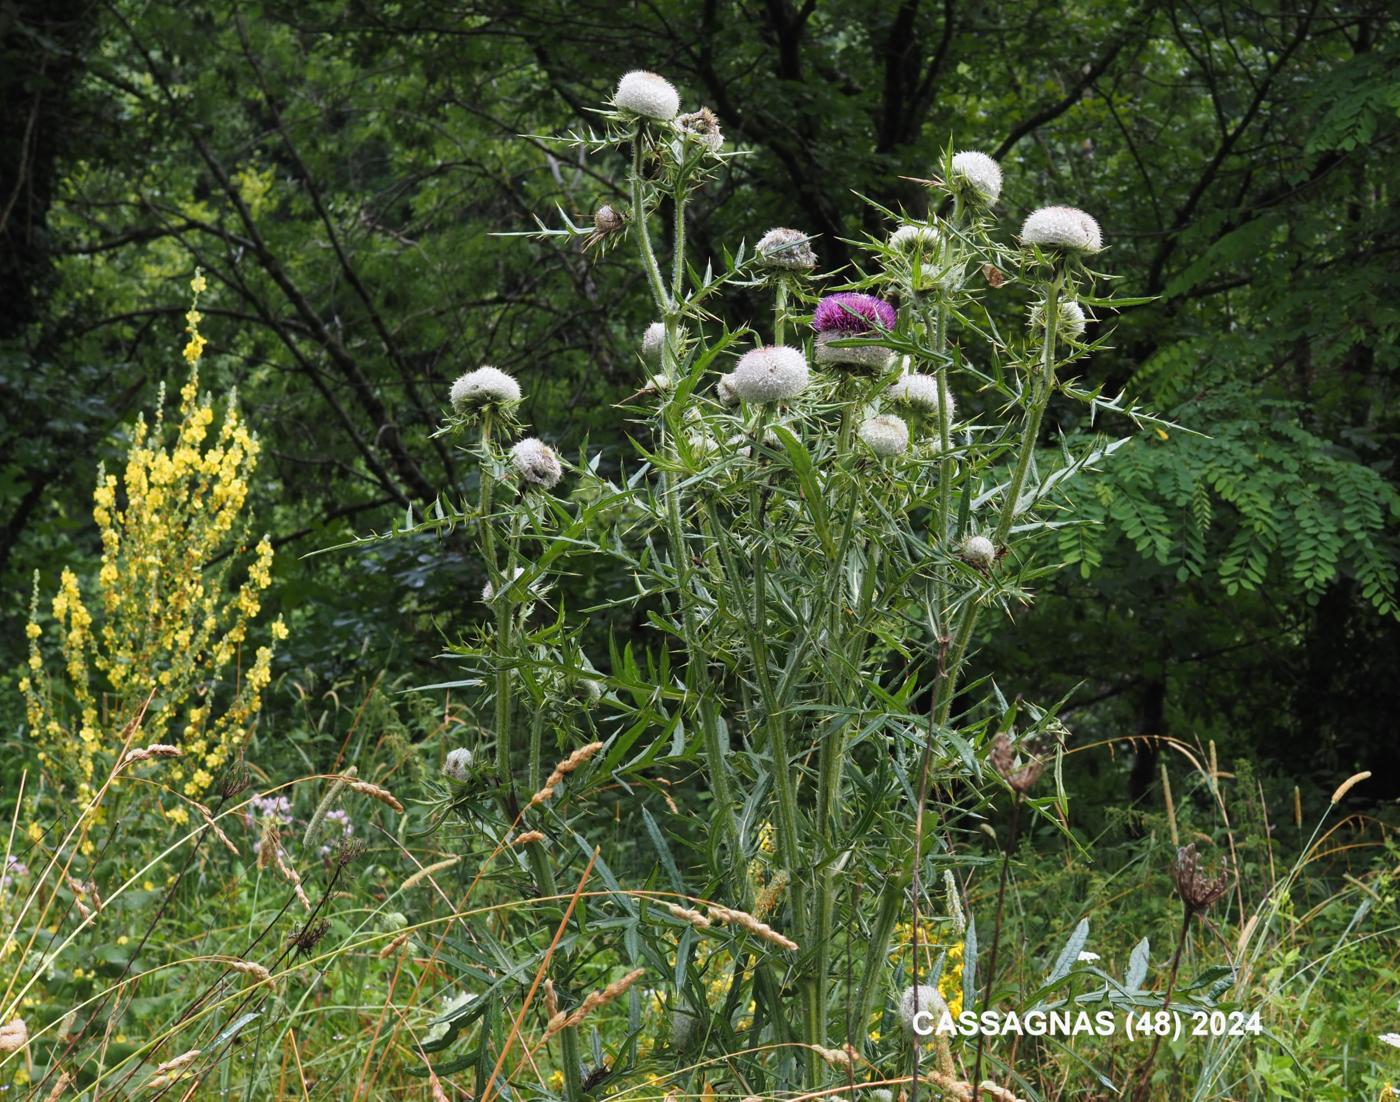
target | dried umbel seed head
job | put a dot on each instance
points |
(305, 940)
(646, 94)
(979, 551)
(702, 126)
(920, 1009)
(653, 341)
(920, 392)
(458, 766)
(1021, 774)
(885, 434)
(1067, 228)
(536, 463)
(771, 374)
(484, 388)
(1197, 889)
(910, 239)
(978, 174)
(1072, 320)
(781, 247)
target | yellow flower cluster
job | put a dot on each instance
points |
(932, 943)
(174, 630)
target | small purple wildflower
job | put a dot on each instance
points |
(337, 819)
(14, 868)
(852, 313)
(273, 807)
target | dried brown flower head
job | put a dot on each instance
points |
(1198, 890)
(1020, 774)
(309, 936)
(607, 220)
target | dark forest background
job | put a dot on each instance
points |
(338, 171)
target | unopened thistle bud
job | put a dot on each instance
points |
(702, 126)
(885, 434)
(770, 374)
(724, 390)
(607, 220)
(488, 591)
(458, 765)
(1072, 319)
(646, 94)
(1062, 228)
(653, 341)
(484, 388)
(920, 1009)
(781, 247)
(686, 1030)
(979, 551)
(910, 239)
(843, 316)
(980, 174)
(921, 392)
(536, 463)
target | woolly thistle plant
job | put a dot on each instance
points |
(813, 538)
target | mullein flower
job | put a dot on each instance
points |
(702, 126)
(536, 463)
(979, 551)
(885, 434)
(458, 765)
(1072, 320)
(980, 174)
(484, 388)
(920, 1009)
(646, 94)
(1066, 228)
(920, 392)
(842, 316)
(770, 374)
(786, 248)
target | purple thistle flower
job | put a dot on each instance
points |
(853, 314)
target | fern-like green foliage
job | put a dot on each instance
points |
(1302, 511)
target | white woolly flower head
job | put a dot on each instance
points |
(458, 765)
(921, 392)
(979, 551)
(1088, 957)
(1391, 1039)
(770, 374)
(653, 340)
(1062, 228)
(1072, 323)
(724, 390)
(885, 434)
(980, 173)
(910, 239)
(920, 1009)
(536, 463)
(781, 247)
(486, 387)
(488, 591)
(647, 94)
(872, 356)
